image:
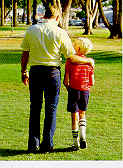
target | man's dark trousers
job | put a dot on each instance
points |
(43, 80)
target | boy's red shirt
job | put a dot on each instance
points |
(80, 75)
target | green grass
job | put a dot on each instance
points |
(9, 28)
(104, 114)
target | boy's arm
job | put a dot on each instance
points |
(81, 60)
(93, 80)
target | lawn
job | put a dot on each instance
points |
(104, 114)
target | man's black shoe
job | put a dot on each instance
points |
(33, 150)
(45, 148)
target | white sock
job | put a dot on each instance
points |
(82, 125)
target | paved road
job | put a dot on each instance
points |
(11, 40)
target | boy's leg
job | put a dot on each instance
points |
(83, 102)
(82, 125)
(75, 129)
(73, 96)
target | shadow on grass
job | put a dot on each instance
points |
(12, 152)
(10, 57)
(103, 57)
(106, 57)
(14, 57)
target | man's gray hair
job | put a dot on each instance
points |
(51, 11)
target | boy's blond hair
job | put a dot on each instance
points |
(83, 44)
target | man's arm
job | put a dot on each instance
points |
(24, 72)
(81, 60)
(24, 60)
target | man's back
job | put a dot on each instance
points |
(45, 42)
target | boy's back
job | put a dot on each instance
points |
(80, 75)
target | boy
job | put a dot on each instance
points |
(78, 79)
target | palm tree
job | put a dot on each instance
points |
(28, 12)
(2, 12)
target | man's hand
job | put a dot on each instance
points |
(24, 73)
(91, 61)
(25, 77)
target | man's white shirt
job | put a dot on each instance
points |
(46, 42)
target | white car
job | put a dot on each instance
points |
(74, 22)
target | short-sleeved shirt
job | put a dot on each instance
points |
(80, 75)
(46, 42)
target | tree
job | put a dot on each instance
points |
(96, 20)
(116, 28)
(2, 12)
(91, 9)
(24, 10)
(34, 11)
(66, 5)
(14, 13)
(28, 12)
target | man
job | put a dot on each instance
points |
(42, 46)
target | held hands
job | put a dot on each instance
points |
(66, 84)
(25, 77)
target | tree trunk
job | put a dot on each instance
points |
(116, 28)
(65, 13)
(105, 20)
(28, 12)
(87, 23)
(91, 9)
(116, 31)
(120, 19)
(5, 11)
(14, 13)
(2, 12)
(96, 20)
(24, 9)
(34, 11)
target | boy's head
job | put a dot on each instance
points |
(82, 45)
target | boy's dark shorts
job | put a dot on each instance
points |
(77, 100)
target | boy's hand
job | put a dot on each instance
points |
(25, 77)
(91, 61)
(66, 84)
